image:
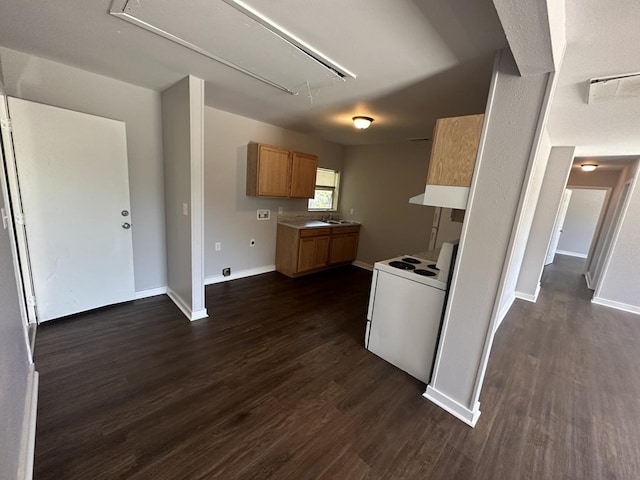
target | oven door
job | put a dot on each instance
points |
(405, 319)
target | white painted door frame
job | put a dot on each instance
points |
(557, 227)
(599, 224)
(14, 204)
(612, 236)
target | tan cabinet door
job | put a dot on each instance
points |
(454, 150)
(344, 248)
(303, 175)
(313, 253)
(274, 171)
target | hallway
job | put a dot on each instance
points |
(575, 380)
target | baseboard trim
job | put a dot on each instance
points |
(572, 254)
(152, 292)
(363, 265)
(199, 315)
(617, 305)
(28, 443)
(528, 297)
(241, 274)
(184, 308)
(470, 417)
(587, 278)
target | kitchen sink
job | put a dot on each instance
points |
(340, 222)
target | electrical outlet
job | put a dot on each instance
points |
(252, 242)
(218, 246)
(351, 211)
(226, 271)
(185, 209)
(279, 210)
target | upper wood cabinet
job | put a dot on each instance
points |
(454, 150)
(276, 172)
(303, 175)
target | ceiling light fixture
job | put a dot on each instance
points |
(362, 122)
(588, 167)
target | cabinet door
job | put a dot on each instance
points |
(455, 146)
(313, 253)
(344, 248)
(351, 247)
(274, 171)
(303, 175)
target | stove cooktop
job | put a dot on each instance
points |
(425, 273)
(402, 265)
(414, 268)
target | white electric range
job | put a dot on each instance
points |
(405, 310)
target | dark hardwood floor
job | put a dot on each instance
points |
(277, 384)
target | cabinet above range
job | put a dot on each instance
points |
(452, 162)
(277, 172)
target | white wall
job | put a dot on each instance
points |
(511, 121)
(620, 283)
(602, 241)
(15, 360)
(377, 183)
(520, 234)
(555, 179)
(581, 221)
(231, 215)
(182, 126)
(44, 81)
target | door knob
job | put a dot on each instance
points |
(126, 226)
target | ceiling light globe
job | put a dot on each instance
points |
(362, 122)
(588, 167)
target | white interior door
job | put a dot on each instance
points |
(74, 187)
(557, 228)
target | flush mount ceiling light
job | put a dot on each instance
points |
(588, 167)
(362, 122)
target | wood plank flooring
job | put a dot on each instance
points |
(276, 384)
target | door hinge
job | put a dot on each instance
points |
(20, 218)
(5, 123)
(31, 301)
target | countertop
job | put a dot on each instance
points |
(301, 224)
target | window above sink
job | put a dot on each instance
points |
(326, 192)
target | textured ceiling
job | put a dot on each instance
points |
(414, 61)
(602, 40)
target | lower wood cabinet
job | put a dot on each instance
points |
(305, 250)
(313, 253)
(344, 244)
